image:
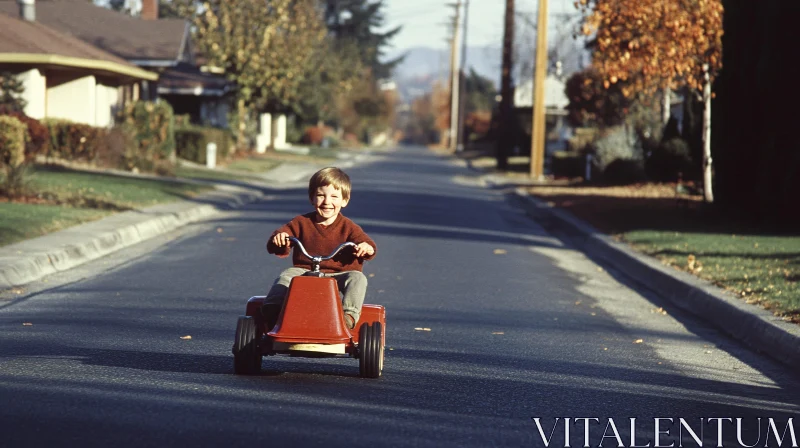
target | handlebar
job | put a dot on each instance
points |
(317, 259)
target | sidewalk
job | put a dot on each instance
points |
(756, 327)
(30, 260)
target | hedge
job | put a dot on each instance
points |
(13, 136)
(191, 142)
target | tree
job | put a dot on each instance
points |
(357, 21)
(11, 90)
(263, 47)
(590, 102)
(659, 44)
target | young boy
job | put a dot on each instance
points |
(321, 232)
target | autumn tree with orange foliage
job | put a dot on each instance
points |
(659, 44)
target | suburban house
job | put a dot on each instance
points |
(160, 46)
(555, 103)
(63, 76)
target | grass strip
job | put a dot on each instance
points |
(61, 198)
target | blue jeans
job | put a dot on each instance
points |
(352, 286)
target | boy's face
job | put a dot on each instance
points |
(328, 202)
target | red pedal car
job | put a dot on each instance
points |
(311, 324)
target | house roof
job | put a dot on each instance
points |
(131, 38)
(32, 43)
(186, 79)
(554, 95)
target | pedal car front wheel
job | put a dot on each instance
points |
(370, 346)
(246, 356)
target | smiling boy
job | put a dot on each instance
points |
(321, 232)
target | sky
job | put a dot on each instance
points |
(426, 22)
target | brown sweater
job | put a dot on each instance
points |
(322, 240)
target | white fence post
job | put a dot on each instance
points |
(211, 155)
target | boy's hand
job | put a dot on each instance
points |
(364, 249)
(281, 239)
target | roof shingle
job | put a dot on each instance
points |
(125, 36)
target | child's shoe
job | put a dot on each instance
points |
(350, 321)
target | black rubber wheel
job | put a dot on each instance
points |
(246, 356)
(370, 344)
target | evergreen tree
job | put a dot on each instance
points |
(11, 90)
(357, 21)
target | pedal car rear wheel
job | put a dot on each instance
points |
(246, 355)
(370, 344)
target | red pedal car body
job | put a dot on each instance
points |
(311, 324)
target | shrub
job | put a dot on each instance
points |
(191, 141)
(153, 126)
(618, 143)
(39, 136)
(313, 135)
(74, 141)
(566, 164)
(624, 171)
(13, 137)
(668, 159)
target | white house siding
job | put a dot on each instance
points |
(106, 100)
(72, 100)
(35, 94)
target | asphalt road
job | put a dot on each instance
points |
(521, 327)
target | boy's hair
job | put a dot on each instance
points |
(330, 176)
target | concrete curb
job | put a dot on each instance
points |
(30, 260)
(756, 327)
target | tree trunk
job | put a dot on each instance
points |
(665, 105)
(707, 161)
(242, 114)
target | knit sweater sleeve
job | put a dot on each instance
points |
(358, 236)
(293, 229)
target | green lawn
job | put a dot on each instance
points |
(76, 197)
(106, 190)
(760, 268)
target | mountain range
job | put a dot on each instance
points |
(423, 66)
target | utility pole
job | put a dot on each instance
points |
(455, 72)
(461, 136)
(504, 117)
(538, 132)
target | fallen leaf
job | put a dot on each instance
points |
(219, 229)
(498, 332)
(594, 314)
(27, 324)
(422, 329)
(17, 291)
(186, 338)
(578, 302)
(638, 341)
(371, 275)
(500, 251)
(605, 349)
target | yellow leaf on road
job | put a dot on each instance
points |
(499, 251)
(27, 324)
(498, 332)
(422, 329)
(186, 338)
(638, 341)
